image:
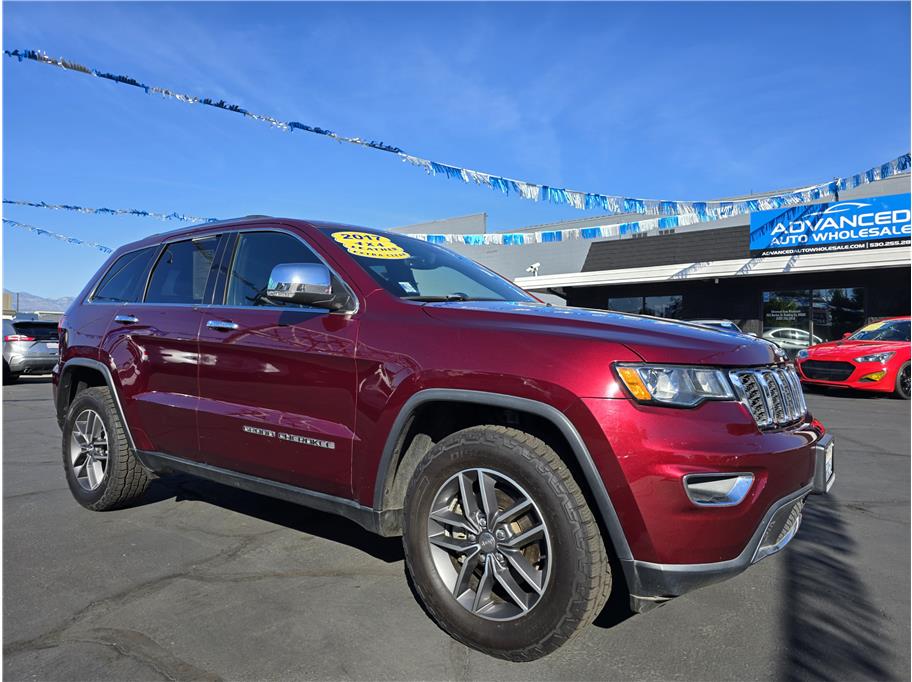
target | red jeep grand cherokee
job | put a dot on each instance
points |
(520, 449)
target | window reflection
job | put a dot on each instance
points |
(796, 319)
(659, 306)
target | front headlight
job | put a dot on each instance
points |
(875, 357)
(674, 385)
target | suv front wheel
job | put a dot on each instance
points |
(501, 546)
(101, 470)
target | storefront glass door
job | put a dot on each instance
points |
(837, 312)
(797, 319)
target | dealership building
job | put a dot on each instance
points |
(816, 270)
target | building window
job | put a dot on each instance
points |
(659, 306)
(664, 306)
(626, 305)
(837, 312)
(800, 318)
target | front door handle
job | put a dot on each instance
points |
(126, 319)
(222, 325)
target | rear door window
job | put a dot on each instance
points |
(124, 281)
(182, 271)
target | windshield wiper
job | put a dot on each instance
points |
(444, 299)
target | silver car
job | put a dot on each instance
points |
(791, 340)
(727, 325)
(29, 347)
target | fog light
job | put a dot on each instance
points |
(717, 490)
(875, 376)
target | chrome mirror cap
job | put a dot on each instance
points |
(302, 283)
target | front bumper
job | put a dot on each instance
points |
(651, 584)
(858, 378)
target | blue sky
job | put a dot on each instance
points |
(678, 101)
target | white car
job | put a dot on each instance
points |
(791, 340)
(727, 325)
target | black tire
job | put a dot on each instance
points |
(8, 376)
(125, 479)
(902, 382)
(579, 579)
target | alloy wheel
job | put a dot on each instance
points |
(489, 544)
(89, 449)
(904, 381)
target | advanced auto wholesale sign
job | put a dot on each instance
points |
(837, 226)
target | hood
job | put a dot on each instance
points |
(652, 338)
(846, 350)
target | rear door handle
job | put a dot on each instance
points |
(222, 325)
(126, 319)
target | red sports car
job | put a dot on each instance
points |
(875, 358)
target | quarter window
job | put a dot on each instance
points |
(256, 255)
(123, 282)
(182, 271)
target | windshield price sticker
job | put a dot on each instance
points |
(368, 245)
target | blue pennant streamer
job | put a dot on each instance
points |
(62, 237)
(611, 204)
(112, 211)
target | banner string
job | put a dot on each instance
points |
(112, 211)
(56, 235)
(607, 203)
(605, 231)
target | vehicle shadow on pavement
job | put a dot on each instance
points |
(831, 628)
(331, 527)
(182, 488)
(617, 608)
(847, 392)
(26, 379)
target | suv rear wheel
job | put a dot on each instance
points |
(501, 545)
(101, 470)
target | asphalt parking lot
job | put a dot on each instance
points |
(206, 582)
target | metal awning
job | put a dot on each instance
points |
(739, 267)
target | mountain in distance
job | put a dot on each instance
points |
(29, 303)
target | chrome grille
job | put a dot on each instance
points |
(771, 394)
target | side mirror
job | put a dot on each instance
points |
(303, 283)
(846, 335)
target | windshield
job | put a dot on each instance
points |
(419, 271)
(890, 330)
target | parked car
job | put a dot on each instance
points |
(29, 347)
(874, 358)
(519, 449)
(791, 340)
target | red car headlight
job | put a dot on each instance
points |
(875, 357)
